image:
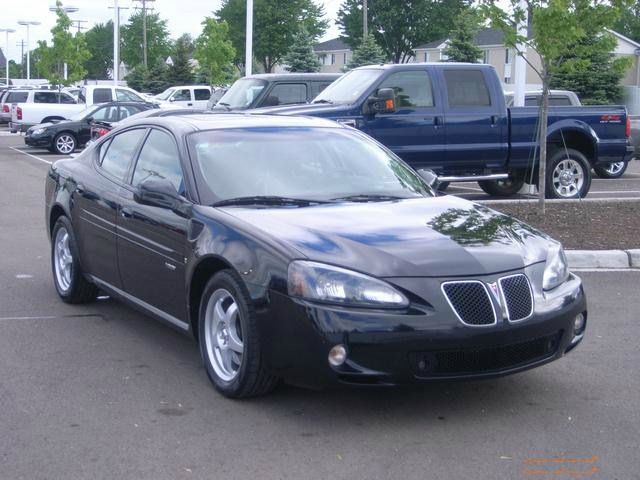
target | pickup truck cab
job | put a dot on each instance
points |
(452, 118)
(272, 89)
(91, 94)
(32, 107)
(187, 96)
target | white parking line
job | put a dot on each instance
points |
(48, 162)
(48, 317)
(466, 188)
(592, 192)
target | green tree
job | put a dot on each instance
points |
(559, 30)
(214, 51)
(596, 76)
(100, 43)
(275, 23)
(153, 80)
(629, 22)
(399, 26)
(65, 49)
(181, 71)
(461, 46)
(158, 43)
(301, 57)
(368, 53)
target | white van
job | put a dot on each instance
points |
(187, 96)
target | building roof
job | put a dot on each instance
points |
(484, 37)
(331, 45)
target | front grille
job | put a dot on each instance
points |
(484, 360)
(517, 295)
(470, 301)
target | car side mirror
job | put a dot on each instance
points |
(172, 99)
(430, 177)
(157, 192)
(384, 102)
(90, 120)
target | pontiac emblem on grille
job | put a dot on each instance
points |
(496, 293)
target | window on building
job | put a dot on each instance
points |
(426, 56)
(344, 58)
(485, 56)
(507, 56)
(333, 59)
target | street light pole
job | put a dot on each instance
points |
(248, 59)
(116, 42)
(28, 23)
(7, 31)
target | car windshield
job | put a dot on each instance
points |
(86, 113)
(166, 94)
(349, 87)
(242, 94)
(321, 164)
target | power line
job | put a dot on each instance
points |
(144, 9)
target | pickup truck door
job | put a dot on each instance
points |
(415, 131)
(476, 120)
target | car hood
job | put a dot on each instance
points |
(439, 237)
(49, 124)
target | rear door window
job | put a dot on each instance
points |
(45, 97)
(287, 94)
(466, 88)
(202, 94)
(67, 99)
(17, 97)
(117, 159)
(102, 95)
(559, 101)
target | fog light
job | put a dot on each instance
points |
(579, 324)
(337, 355)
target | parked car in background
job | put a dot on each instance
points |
(41, 106)
(217, 94)
(187, 96)
(271, 89)
(65, 136)
(452, 118)
(92, 94)
(300, 249)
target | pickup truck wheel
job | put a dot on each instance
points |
(502, 188)
(612, 170)
(568, 175)
(229, 339)
(64, 143)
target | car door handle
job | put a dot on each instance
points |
(126, 213)
(494, 120)
(437, 121)
(189, 104)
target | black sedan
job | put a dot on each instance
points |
(65, 136)
(299, 249)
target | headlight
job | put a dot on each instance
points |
(38, 131)
(326, 283)
(556, 270)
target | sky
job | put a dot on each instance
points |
(183, 16)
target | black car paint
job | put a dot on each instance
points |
(165, 256)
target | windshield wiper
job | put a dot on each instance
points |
(268, 200)
(322, 100)
(368, 198)
(224, 104)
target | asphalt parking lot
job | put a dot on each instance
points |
(100, 391)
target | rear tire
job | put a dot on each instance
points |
(503, 188)
(568, 175)
(68, 277)
(229, 339)
(612, 170)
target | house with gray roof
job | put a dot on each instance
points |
(333, 54)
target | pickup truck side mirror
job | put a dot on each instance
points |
(384, 102)
(157, 192)
(430, 177)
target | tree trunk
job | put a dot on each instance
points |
(542, 141)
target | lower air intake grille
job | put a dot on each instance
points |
(484, 360)
(517, 294)
(470, 301)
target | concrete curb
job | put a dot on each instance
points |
(603, 258)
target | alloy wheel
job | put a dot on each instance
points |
(63, 260)
(65, 144)
(223, 334)
(614, 168)
(568, 178)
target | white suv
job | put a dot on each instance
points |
(187, 96)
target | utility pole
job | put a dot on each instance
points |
(365, 19)
(21, 44)
(79, 24)
(144, 29)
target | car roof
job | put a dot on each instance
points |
(189, 86)
(296, 76)
(212, 121)
(418, 66)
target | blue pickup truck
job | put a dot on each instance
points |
(452, 118)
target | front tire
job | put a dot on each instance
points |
(229, 339)
(568, 175)
(68, 277)
(612, 170)
(65, 143)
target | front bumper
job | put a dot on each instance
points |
(424, 343)
(43, 140)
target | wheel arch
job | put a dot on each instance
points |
(56, 212)
(51, 118)
(580, 139)
(202, 272)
